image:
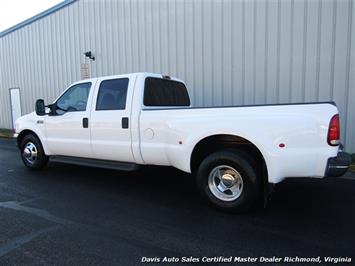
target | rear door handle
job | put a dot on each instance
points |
(85, 122)
(125, 122)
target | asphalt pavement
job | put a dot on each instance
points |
(73, 215)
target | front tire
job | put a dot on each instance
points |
(32, 153)
(228, 180)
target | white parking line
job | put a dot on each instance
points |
(34, 211)
(19, 241)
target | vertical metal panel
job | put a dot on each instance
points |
(189, 37)
(311, 55)
(180, 39)
(228, 52)
(171, 36)
(271, 51)
(156, 36)
(197, 45)
(4, 112)
(350, 111)
(249, 52)
(207, 66)
(226, 47)
(340, 86)
(260, 52)
(326, 48)
(237, 52)
(297, 51)
(285, 52)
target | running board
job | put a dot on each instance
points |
(123, 166)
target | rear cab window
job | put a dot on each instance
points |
(159, 92)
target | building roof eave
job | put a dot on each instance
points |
(37, 17)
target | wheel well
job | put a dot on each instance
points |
(23, 134)
(218, 142)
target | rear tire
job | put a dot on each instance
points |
(228, 180)
(32, 153)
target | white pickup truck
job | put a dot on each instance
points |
(137, 119)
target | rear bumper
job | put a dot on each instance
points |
(337, 166)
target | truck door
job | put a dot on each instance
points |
(110, 120)
(67, 128)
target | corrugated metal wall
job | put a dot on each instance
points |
(228, 52)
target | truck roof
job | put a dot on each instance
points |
(145, 74)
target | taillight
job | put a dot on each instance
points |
(334, 131)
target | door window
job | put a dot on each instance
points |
(112, 94)
(74, 99)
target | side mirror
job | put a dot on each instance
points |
(40, 107)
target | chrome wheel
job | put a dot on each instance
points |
(30, 153)
(225, 183)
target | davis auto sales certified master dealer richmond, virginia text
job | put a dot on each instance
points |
(231, 259)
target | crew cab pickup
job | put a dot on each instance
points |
(234, 152)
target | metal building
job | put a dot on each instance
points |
(228, 52)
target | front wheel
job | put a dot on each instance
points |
(229, 181)
(32, 153)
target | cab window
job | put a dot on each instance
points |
(164, 92)
(74, 99)
(112, 94)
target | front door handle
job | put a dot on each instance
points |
(85, 122)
